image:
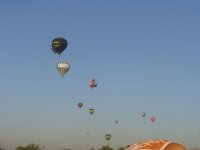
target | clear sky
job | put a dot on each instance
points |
(145, 58)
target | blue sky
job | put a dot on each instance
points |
(143, 54)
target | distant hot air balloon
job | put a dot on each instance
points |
(91, 111)
(59, 45)
(108, 137)
(116, 122)
(80, 104)
(143, 114)
(153, 119)
(63, 67)
(93, 83)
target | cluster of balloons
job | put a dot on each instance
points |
(58, 45)
(91, 111)
(93, 84)
(152, 118)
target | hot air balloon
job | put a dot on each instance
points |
(59, 45)
(116, 121)
(63, 67)
(153, 119)
(143, 114)
(80, 104)
(156, 144)
(91, 111)
(93, 83)
(108, 137)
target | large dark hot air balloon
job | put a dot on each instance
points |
(59, 45)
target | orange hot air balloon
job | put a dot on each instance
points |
(156, 144)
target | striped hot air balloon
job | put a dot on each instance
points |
(63, 67)
(156, 144)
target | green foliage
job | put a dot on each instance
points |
(120, 148)
(19, 148)
(29, 147)
(107, 147)
(36, 147)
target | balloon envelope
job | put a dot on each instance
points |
(63, 67)
(108, 137)
(143, 114)
(91, 111)
(59, 45)
(153, 119)
(156, 144)
(80, 104)
(93, 83)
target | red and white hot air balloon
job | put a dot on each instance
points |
(93, 83)
(156, 144)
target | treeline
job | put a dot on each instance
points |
(37, 147)
(29, 147)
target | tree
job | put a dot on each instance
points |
(20, 148)
(29, 147)
(107, 147)
(121, 148)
